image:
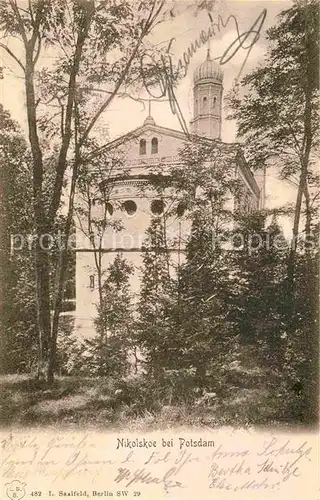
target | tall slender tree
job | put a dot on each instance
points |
(277, 112)
(156, 337)
(276, 107)
(83, 37)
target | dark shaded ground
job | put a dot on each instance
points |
(70, 401)
(97, 403)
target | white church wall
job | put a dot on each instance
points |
(129, 240)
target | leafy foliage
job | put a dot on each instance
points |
(64, 104)
(18, 311)
(224, 323)
(107, 354)
(270, 115)
(155, 336)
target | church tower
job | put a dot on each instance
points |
(207, 99)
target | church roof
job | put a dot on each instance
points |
(149, 125)
(208, 70)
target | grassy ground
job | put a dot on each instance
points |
(95, 403)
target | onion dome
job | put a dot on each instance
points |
(208, 70)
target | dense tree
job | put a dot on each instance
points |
(18, 289)
(224, 323)
(109, 352)
(184, 322)
(18, 306)
(205, 179)
(276, 108)
(156, 336)
(259, 265)
(83, 37)
(277, 112)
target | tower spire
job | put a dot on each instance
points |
(208, 51)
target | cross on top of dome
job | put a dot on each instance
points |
(149, 120)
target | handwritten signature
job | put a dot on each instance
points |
(165, 77)
(266, 467)
(145, 477)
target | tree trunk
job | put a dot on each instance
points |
(63, 261)
(308, 218)
(303, 187)
(42, 228)
(43, 310)
(306, 372)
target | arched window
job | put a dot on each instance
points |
(214, 102)
(143, 147)
(205, 102)
(154, 145)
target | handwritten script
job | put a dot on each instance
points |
(165, 75)
(239, 462)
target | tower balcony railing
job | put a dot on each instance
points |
(132, 166)
(155, 160)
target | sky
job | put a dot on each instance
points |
(185, 28)
(125, 114)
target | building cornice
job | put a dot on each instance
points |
(130, 250)
(246, 172)
(135, 179)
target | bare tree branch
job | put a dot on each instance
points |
(15, 10)
(30, 11)
(148, 25)
(12, 55)
(61, 166)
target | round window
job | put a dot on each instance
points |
(130, 207)
(157, 207)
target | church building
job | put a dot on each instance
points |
(133, 202)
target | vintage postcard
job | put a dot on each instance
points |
(159, 211)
